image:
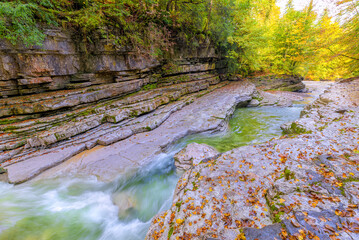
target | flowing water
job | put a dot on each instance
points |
(68, 208)
(74, 208)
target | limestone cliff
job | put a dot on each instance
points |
(64, 88)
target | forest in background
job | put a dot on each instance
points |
(253, 35)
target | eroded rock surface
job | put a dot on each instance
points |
(302, 186)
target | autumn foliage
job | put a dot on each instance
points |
(253, 35)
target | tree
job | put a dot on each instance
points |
(292, 41)
(326, 62)
(349, 16)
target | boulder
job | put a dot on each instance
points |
(3, 175)
(125, 203)
(194, 154)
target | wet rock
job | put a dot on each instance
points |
(3, 175)
(125, 203)
(25, 170)
(194, 154)
(254, 103)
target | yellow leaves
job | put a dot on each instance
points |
(179, 221)
(338, 184)
(238, 223)
(299, 166)
(300, 237)
(210, 189)
(241, 236)
(281, 200)
(337, 212)
(284, 233)
(314, 203)
(283, 158)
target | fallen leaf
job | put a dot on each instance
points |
(295, 224)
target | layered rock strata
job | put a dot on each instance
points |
(194, 114)
(299, 186)
(53, 93)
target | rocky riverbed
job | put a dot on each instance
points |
(303, 185)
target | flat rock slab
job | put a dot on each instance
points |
(26, 170)
(207, 113)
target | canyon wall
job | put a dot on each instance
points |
(66, 87)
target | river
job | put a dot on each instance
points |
(83, 208)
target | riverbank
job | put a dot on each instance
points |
(296, 186)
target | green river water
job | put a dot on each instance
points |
(76, 208)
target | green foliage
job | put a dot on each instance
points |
(18, 22)
(296, 129)
(149, 86)
(3, 170)
(170, 232)
(349, 16)
(247, 38)
(251, 34)
(292, 42)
